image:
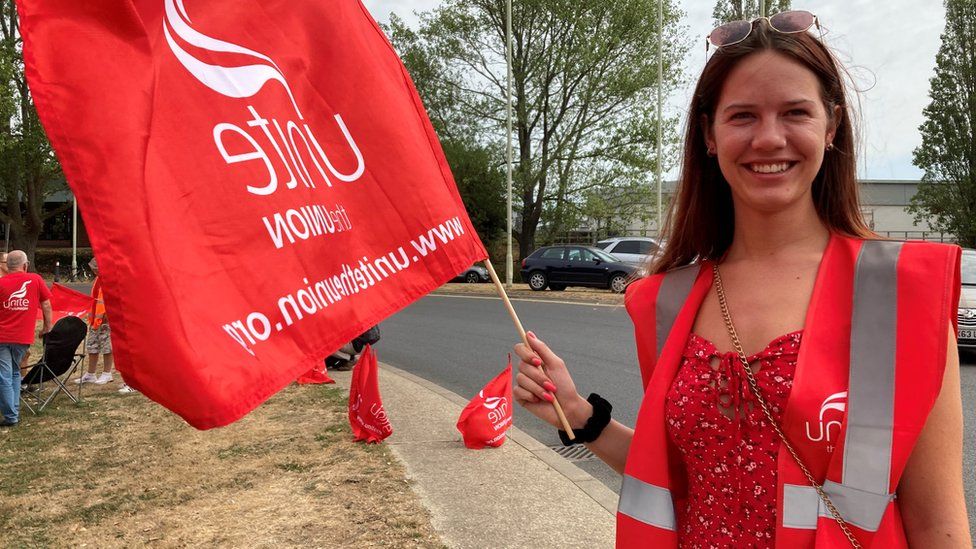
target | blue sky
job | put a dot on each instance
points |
(889, 47)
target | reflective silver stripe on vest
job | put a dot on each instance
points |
(639, 500)
(802, 506)
(671, 297)
(647, 503)
(871, 391)
(864, 495)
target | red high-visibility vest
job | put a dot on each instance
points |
(868, 372)
(97, 313)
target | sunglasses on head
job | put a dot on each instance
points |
(787, 22)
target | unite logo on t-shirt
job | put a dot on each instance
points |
(18, 300)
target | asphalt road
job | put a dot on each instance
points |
(461, 342)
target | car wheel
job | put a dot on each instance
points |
(472, 278)
(557, 287)
(618, 283)
(538, 281)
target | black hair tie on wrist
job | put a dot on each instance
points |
(594, 426)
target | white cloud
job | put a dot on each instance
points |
(889, 46)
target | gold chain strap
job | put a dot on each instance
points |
(720, 290)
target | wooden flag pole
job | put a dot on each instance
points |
(525, 339)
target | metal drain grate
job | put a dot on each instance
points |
(576, 452)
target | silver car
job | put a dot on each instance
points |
(473, 274)
(967, 301)
(633, 250)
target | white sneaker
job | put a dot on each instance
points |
(105, 377)
(125, 389)
(87, 378)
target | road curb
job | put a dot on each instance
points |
(441, 293)
(586, 482)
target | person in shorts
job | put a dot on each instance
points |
(99, 342)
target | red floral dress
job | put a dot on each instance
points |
(729, 448)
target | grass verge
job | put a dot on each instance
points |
(121, 471)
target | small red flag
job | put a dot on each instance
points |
(366, 413)
(315, 376)
(487, 418)
(68, 302)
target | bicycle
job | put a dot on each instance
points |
(82, 273)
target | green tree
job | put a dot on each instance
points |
(738, 10)
(29, 171)
(584, 83)
(946, 198)
(479, 176)
(481, 183)
(612, 210)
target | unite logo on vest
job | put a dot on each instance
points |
(827, 428)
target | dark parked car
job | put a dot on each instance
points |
(474, 273)
(557, 267)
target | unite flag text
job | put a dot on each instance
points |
(258, 177)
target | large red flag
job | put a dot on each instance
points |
(260, 182)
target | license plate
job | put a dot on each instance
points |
(967, 334)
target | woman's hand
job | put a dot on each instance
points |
(536, 387)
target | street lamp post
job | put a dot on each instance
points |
(74, 235)
(508, 218)
(660, 80)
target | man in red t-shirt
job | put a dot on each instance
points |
(21, 293)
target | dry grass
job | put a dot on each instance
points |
(121, 471)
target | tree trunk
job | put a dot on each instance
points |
(23, 240)
(526, 238)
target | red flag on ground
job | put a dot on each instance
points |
(366, 413)
(315, 376)
(68, 302)
(487, 418)
(260, 185)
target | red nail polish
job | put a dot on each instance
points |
(537, 361)
(530, 334)
(549, 387)
(548, 397)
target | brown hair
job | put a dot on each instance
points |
(700, 220)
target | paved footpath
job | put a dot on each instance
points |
(519, 495)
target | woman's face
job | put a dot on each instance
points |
(769, 132)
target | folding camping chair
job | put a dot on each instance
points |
(60, 361)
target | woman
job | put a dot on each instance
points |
(850, 341)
